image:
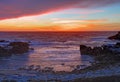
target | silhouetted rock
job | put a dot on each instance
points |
(14, 48)
(19, 47)
(85, 50)
(3, 41)
(97, 50)
(83, 46)
(117, 45)
(116, 37)
(104, 53)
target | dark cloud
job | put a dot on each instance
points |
(19, 8)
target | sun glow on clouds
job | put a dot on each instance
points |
(71, 24)
(81, 11)
(37, 23)
(80, 18)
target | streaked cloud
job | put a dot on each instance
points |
(20, 8)
(82, 12)
(69, 21)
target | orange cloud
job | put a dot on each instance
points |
(63, 21)
(99, 27)
(56, 24)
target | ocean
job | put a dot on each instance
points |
(59, 50)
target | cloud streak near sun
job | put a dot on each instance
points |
(19, 8)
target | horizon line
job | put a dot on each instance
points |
(61, 31)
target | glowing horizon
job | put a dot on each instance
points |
(60, 16)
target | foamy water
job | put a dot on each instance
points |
(53, 49)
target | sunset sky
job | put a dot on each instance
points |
(59, 15)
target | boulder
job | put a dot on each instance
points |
(85, 50)
(117, 45)
(83, 47)
(14, 48)
(19, 47)
(3, 41)
(116, 37)
(104, 53)
(97, 50)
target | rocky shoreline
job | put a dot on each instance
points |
(104, 69)
(105, 55)
(115, 37)
(13, 48)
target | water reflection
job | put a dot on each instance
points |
(61, 58)
(58, 57)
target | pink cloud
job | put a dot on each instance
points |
(84, 12)
(19, 8)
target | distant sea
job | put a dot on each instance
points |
(59, 50)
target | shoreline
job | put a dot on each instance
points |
(27, 75)
(18, 75)
(106, 65)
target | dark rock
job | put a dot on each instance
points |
(31, 48)
(85, 50)
(97, 50)
(106, 49)
(19, 47)
(14, 48)
(116, 37)
(83, 47)
(3, 41)
(117, 45)
(104, 53)
(63, 64)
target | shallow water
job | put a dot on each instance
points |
(53, 49)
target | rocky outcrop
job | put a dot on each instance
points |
(105, 56)
(117, 45)
(14, 48)
(3, 41)
(104, 49)
(93, 51)
(103, 53)
(19, 47)
(116, 37)
(85, 50)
